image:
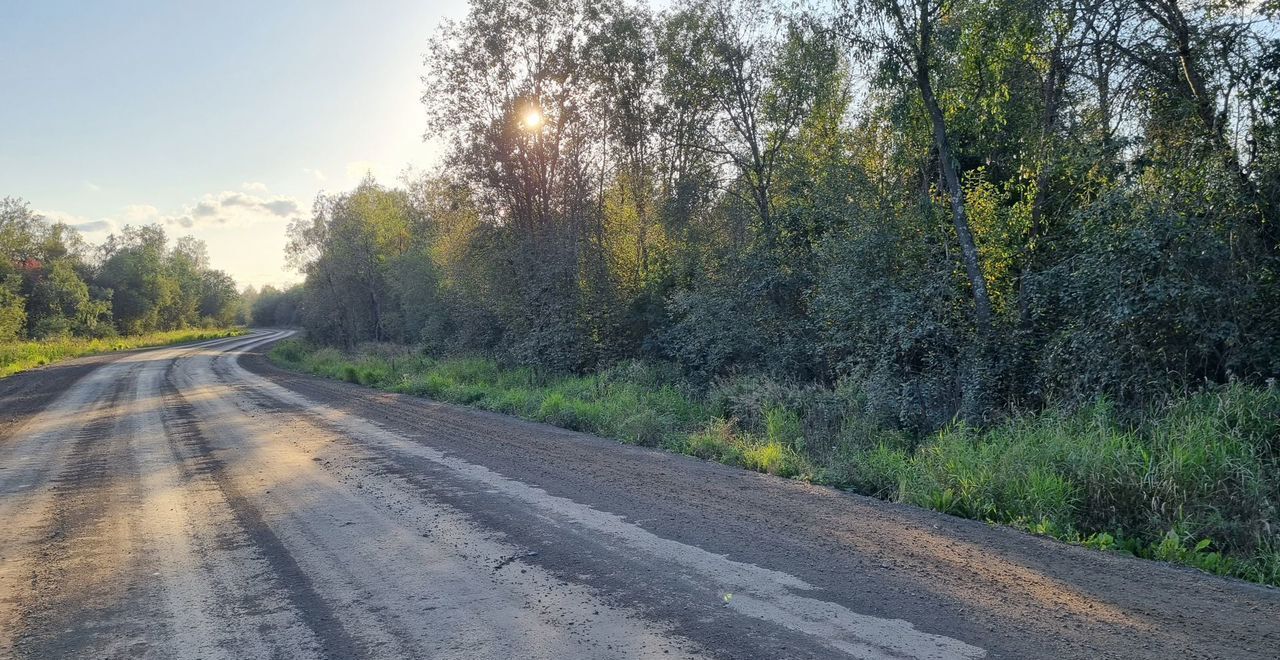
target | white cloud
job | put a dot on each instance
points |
(80, 223)
(254, 186)
(316, 174)
(228, 208)
(283, 207)
(103, 226)
(235, 208)
(92, 187)
(140, 214)
(60, 216)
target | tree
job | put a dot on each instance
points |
(510, 89)
(219, 300)
(344, 250)
(60, 304)
(133, 268)
(904, 33)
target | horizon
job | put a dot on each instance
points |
(156, 116)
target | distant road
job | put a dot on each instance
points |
(196, 502)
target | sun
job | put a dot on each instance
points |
(533, 119)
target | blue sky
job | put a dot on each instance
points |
(219, 119)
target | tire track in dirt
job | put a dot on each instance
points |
(411, 575)
(198, 457)
(52, 421)
(773, 599)
(88, 557)
(75, 571)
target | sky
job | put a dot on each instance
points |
(220, 120)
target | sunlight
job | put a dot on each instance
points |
(533, 120)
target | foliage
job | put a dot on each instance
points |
(1153, 303)
(966, 208)
(273, 307)
(1203, 469)
(13, 313)
(52, 288)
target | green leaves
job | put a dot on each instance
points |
(50, 289)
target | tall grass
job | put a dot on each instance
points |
(23, 355)
(632, 402)
(1197, 483)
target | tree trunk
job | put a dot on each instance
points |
(951, 178)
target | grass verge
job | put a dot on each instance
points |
(1197, 483)
(23, 355)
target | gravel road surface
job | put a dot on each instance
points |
(197, 502)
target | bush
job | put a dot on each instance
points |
(717, 441)
(1153, 302)
(877, 472)
(51, 327)
(290, 351)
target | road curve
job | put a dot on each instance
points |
(196, 502)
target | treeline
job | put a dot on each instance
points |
(955, 207)
(54, 285)
(273, 307)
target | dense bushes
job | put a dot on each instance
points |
(1153, 301)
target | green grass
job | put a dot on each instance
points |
(21, 356)
(1197, 483)
(629, 402)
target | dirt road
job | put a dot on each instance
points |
(196, 502)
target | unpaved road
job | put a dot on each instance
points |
(196, 502)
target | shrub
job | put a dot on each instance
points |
(290, 351)
(517, 401)
(717, 441)
(878, 471)
(773, 458)
(647, 426)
